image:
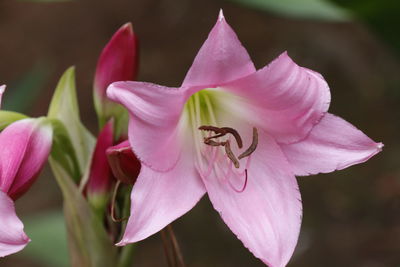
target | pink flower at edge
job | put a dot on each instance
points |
(118, 62)
(286, 103)
(25, 146)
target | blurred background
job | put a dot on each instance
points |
(351, 217)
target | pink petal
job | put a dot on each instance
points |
(25, 146)
(124, 164)
(333, 144)
(12, 236)
(158, 198)
(153, 126)
(266, 216)
(2, 88)
(222, 58)
(118, 61)
(100, 176)
(288, 99)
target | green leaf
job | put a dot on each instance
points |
(382, 16)
(88, 241)
(64, 107)
(310, 9)
(8, 117)
(49, 239)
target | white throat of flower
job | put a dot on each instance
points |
(214, 141)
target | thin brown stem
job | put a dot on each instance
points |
(177, 251)
(166, 246)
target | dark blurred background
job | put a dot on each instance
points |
(351, 217)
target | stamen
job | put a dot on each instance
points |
(222, 132)
(230, 154)
(212, 142)
(210, 165)
(235, 134)
(211, 128)
(244, 185)
(253, 145)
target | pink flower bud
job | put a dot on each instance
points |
(100, 177)
(123, 162)
(25, 146)
(118, 62)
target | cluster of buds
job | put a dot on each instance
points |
(96, 166)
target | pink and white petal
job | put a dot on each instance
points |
(266, 216)
(288, 99)
(14, 140)
(155, 112)
(333, 144)
(2, 89)
(159, 198)
(12, 236)
(222, 58)
(35, 156)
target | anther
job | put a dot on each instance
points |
(235, 134)
(211, 128)
(221, 132)
(230, 154)
(253, 145)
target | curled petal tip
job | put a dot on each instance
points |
(380, 146)
(127, 27)
(221, 15)
(121, 243)
(2, 88)
(12, 235)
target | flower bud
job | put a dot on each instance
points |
(123, 162)
(100, 176)
(25, 146)
(118, 62)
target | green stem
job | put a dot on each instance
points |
(126, 256)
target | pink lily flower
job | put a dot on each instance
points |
(25, 146)
(240, 135)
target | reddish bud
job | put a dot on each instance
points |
(118, 62)
(123, 162)
(100, 176)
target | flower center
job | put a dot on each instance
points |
(213, 144)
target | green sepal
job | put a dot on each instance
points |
(64, 107)
(8, 117)
(63, 151)
(107, 110)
